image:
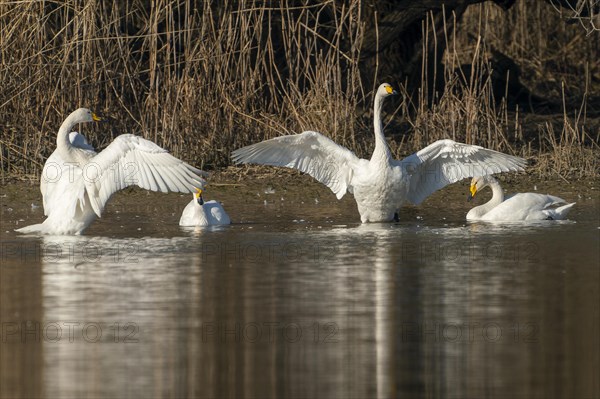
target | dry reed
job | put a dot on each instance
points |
(204, 78)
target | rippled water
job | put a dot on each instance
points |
(294, 301)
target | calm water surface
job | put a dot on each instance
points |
(294, 301)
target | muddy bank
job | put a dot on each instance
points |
(254, 184)
(268, 195)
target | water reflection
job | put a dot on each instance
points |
(304, 310)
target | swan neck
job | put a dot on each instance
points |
(63, 144)
(497, 199)
(382, 151)
(497, 193)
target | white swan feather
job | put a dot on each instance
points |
(309, 152)
(53, 168)
(77, 182)
(382, 184)
(517, 207)
(199, 213)
(132, 160)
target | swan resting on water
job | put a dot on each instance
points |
(382, 184)
(517, 207)
(203, 213)
(77, 182)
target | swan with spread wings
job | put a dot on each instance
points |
(382, 184)
(77, 182)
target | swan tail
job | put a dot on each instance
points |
(560, 212)
(49, 229)
(564, 210)
(34, 228)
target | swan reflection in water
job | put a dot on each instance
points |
(362, 310)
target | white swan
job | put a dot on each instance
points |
(201, 213)
(77, 182)
(382, 184)
(522, 206)
(53, 168)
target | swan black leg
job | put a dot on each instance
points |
(396, 217)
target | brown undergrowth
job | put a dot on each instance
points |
(204, 78)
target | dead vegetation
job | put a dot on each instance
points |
(204, 78)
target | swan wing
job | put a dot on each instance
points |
(447, 161)
(55, 169)
(525, 206)
(309, 152)
(65, 192)
(218, 214)
(80, 141)
(134, 161)
(534, 201)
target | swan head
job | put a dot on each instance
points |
(198, 196)
(81, 115)
(385, 90)
(479, 183)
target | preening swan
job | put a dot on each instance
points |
(203, 213)
(382, 184)
(522, 206)
(77, 182)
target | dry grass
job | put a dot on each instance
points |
(204, 78)
(467, 110)
(197, 78)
